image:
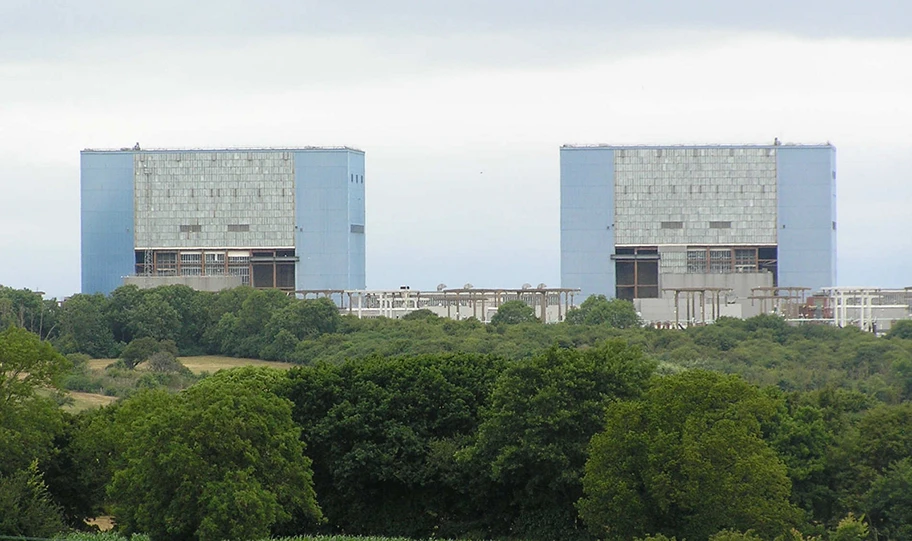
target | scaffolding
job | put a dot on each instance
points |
(693, 295)
(784, 301)
(864, 307)
(551, 304)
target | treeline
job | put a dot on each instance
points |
(603, 442)
(267, 324)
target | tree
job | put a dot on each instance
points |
(142, 349)
(421, 315)
(84, 327)
(383, 434)
(514, 312)
(26, 364)
(154, 318)
(889, 502)
(731, 535)
(26, 309)
(598, 310)
(532, 443)
(166, 363)
(300, 320)
(228, 461)
(26, 508)
(850, 528)
(78, 470)
(687, 459)
(901, 329)
(304, 319)
(885, 436)
(29, 424)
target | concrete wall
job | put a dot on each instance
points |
(199, 283)
(663, 310)
(807, 217)
(741, 283)
(106, 217)
(587, 221)
(220, 192)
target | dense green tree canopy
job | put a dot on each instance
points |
(598, 310)
(534, 435)
(383, 434)
(688, 459)
(26, 507)
(513, 312)
(26, 364)
(889, 501)
(29, 424)
(227, 462)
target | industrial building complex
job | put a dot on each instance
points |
(687, 233)
(289, 218)
(695, 232)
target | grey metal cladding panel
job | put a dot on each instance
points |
(695, 186)
(106, 220)
(587, 218)
(806, 216)
(214, 190)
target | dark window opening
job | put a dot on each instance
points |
(285, 275)
(263, 275)
(191, 228)
(637, 278)
(720, 225)
(672, 225)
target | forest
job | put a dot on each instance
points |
(594, 428)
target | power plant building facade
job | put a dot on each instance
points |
(291, 219)
(640, 221)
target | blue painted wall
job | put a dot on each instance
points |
(357, 274)
(806, 223)
(587, 220)
(324, 196)
(106, 216)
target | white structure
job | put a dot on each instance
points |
(550, 304)
(869, 308)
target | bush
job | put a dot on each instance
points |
(141, 349)
(164, 362)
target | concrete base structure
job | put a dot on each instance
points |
(199, 283)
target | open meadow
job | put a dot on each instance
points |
(198, 365)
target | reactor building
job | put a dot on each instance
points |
(286, 218)
(649, 223)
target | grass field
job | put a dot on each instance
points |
(84, 401)
(214, 363)
(197, 365)
(204, 363)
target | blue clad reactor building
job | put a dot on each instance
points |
(640, 221)
(291, 219)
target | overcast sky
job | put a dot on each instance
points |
(461, 107)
